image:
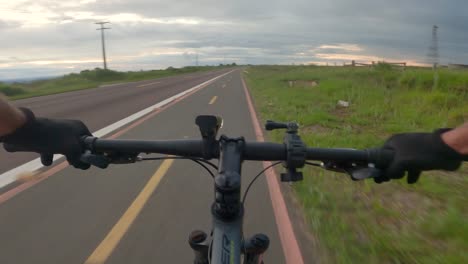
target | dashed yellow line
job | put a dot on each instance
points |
(148, 84)
(110, 242)
(213, 100)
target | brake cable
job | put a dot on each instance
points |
(313, 164)
(203, 163)
(263, 171)
(200, 162)
(255, 178)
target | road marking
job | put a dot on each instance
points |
(291, 249)
(112, 84)
(11, 175)
(213, 100)
(110, 242)
(37, 179)
(148, 84)
(61, 166)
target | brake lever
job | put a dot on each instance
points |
(355, 171)
(103, 161)
(123, 158)
(365, 173)
(337, 167)
(99, 161)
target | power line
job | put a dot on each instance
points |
(102, 28)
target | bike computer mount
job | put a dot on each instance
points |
(209, 127)
(296, 150)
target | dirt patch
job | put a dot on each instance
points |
(316, 129)
(319, 129)
(341, 112)
(302, 83)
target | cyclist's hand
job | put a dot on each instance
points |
(48, 137)
(416, 152)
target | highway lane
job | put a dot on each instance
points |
(104, 105)
(65, 218)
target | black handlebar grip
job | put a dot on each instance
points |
(95, 160)
(271, 125)
(380, 157)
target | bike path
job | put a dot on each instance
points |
(65, 218)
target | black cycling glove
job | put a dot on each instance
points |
(48, 137)
(416, 152)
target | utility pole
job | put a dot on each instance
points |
(196, 59)
(102, 28)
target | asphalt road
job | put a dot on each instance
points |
(68, 216)
(104, 105)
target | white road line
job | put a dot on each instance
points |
(115, 84)
(148, 84)
(11, 175)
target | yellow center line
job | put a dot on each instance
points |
(213, 100)
(148, 84)
(110, 242)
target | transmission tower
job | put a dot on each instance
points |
(434, 48)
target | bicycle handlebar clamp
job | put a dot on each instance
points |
(296, 150)
(295, 158)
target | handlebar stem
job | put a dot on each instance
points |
(227, 204)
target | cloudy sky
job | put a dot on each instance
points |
(52, 37)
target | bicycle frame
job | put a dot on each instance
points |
(227, 211)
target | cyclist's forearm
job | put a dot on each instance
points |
(10, 117)
(457, 139)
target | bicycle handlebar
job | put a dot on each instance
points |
(256, 151)
(360, 164)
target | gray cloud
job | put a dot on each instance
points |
(156, 34)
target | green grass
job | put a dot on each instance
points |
(89, 79)
(10, 91)
(363, 222)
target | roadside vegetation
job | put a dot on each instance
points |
(90, 79)
(364, 222)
